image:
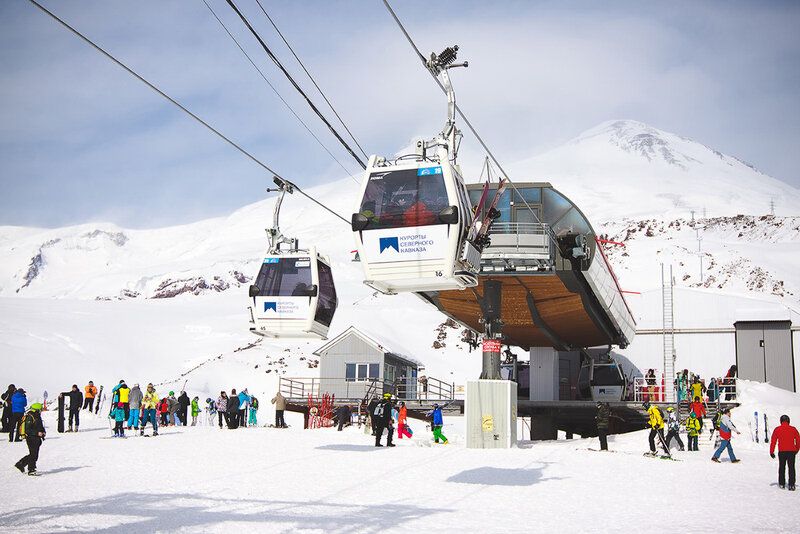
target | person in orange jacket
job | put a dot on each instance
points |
(402, 422)
(788, 441)
(90, 393)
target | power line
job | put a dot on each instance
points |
(195, 117)
(296, 86)
(312, 80)
(276, 91)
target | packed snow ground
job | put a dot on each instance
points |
(203, 479)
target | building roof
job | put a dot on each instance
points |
(353, 331)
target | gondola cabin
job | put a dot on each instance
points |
(293, 296)
(410, 226)
(601, 380)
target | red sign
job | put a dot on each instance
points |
(492, 345)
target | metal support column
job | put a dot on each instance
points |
(492, 329)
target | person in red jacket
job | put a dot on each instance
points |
(699, 409)
(788, 441)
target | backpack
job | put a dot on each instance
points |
(715, 420)
(23, 423)
(378, 412)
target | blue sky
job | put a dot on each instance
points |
(81, 140)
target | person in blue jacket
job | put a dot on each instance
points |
(118, 415)
(244, 400)
(18, 403)
(438, 422)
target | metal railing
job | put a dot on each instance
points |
(515, 246)
(411, 389)
(725, 390)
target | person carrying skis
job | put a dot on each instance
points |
(382, 419)
(75, 401)
(693, 428)
(602, 417)
(135, 404)
(118, 415)
(222, 407)
(195, 410)
(698, 408)
(90, 392)
(725, 428)
(34, 436)
(656, 423)
(280, 406)
(149, 404)
(18, 403)
(674, 425)
(788, 441)
(437, 424)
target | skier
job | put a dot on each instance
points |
(34, 435)
(135, 404)
(121, 392)
(725, 428)
(6, 397)
(280, 406)
(437, 424)
(195, 410)
(382, 419)
(149, 403)
(402, 422)
(697, 390)
(18, 403)
(674, 427)
(693, 428)
(222, 407)
(75, 401)
(118, 415)
(788, 441)
(602, 417)
(183, 408)
(656, 426)
(90, 392)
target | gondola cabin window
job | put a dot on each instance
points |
(404, 198)
(284, 277)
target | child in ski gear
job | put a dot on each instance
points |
(134, 405)
(149, 404)
(788, 441)
(438, 423)
(382, 419)
(163, 411)
(253, 410)
(18, 403)
(725, 428)
(693, 427)
(656, 423)
(195, 410)
(118, 415)
(674, 427)
(402, 422)
(602, 417)
(280, 406)
(34, 435)
(89, 395)
(75, 401)
(121, 391)
(698, 409)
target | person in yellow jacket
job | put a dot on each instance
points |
(149, 403)
(697, 389)
(120, 394)
(656, 423)
(693, 427)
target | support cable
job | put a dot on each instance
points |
(195, 117)
(312, 79)
(296, 86)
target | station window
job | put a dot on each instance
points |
(359, 372)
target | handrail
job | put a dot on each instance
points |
(409, 388)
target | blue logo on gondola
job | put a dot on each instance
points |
(389, 242)
(429, 170)
(271, 306)
(271, 260)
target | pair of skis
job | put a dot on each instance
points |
(478, 235)
(766, 428)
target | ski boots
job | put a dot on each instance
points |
(782, 486)
(33, 473)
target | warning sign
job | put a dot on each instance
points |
(492, 345)
(487, 422)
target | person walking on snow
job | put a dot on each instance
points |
(195, 410)
(437, 424)
(602, 418)
(89, 394)
(280, 406)
(673, 426)
(118, 415)
(183, 408)
(725, 428)
(693, 428)
(18, 403)
(656, 423)
(6, 397)
(222, 408)
(382, 419)
(135, 404)
(788, 441)
(75, 401)
(253, 409)
(149, 404)
(244, 401)
(34, 436)
(402, 422)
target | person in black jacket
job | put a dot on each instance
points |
(6, 398)
(233, 410)
(382, 419)
(602, 417)
(34, 435)
(343, 413)
(75, 401)
(183, 402)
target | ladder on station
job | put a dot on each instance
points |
(667, 283)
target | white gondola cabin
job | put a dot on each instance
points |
(293, 296)
(410, 226)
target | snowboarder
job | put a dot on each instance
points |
(135, 404)
(693, 428)
(6, 398)
(222, 407)
(674, 427)
(118, 415)
(437, 424)
(195, 410)
(725, 428)
(18, 403)
(34, 435)
(149, 404)
(602, 417)
(90, 392)
(382, 419)
(788, 441)
(280, 406)
(75, 402)
(656, 423)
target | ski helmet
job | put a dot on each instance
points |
(784, 418)
(171, 393)
(36, 406)
(692, 414)
(670, 409)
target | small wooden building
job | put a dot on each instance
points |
(354, 365)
